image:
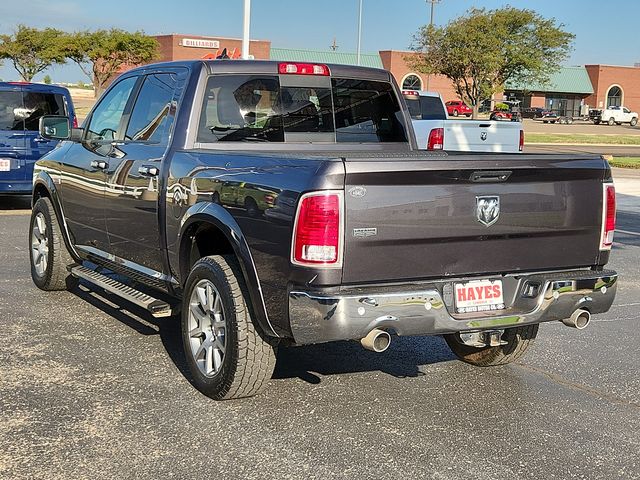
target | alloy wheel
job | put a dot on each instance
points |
(39, 244)
(207, 328)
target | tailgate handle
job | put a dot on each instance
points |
(484, 125)
(490, 176)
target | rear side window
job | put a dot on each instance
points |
(431, 108)
(37, 104)
(367, 111)
(256, 108)
(12, 112)
(153, 113)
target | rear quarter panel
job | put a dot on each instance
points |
(196, 176)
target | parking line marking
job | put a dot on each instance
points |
(626, 232)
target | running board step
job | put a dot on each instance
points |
(157, 308)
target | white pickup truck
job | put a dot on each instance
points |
(435, 131)
(613, 115)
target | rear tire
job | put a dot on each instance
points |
(611, 122)
(226, 355)
(48, 254)
(518, 341)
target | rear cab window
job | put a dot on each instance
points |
(21, 110)
(265, 108)
(37, 104)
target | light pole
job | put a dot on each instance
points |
(433, 3)
(245, 29)
(359, 31)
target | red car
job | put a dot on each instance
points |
(456, 107)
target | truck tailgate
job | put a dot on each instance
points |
(415, 217)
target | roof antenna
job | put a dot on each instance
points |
(223, 55)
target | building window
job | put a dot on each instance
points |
(564, 104)
(614, 96)
(412, 82)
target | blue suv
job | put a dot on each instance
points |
(21, 106)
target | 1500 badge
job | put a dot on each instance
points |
(365, 232)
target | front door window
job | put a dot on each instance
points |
(105, 119)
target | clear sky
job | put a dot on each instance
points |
(312, 24)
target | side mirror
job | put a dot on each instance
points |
(55, 127)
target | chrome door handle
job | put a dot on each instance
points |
(40, 140)
(99, 164)
(147, 171)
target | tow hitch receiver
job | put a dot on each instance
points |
(491, 338)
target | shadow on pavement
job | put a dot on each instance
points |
(137, 319)
(402, 359)
(15, 202)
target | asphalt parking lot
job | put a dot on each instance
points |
(90, 388)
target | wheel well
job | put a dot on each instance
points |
(39, 191)
(200, 240)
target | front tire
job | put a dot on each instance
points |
(518, 341)
(633, 122)
(455, 113)
(48, 253)
(226, 355)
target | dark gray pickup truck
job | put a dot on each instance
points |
(285, 203)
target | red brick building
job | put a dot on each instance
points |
(193, 47)
(614, 85)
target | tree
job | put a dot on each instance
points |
(47, 79)
(484, 49)
(104, 53)
(31, 50)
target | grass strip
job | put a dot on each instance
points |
(582, 138)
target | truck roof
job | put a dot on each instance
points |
(270, 67)
(34, 87)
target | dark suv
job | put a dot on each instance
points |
(21, 106)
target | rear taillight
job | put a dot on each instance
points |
(608, 216)
(303, 69)
(436, 139)
(317, 232)
(75, 122)
(521, 145)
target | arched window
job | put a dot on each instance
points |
(412, 82)
(614, 96)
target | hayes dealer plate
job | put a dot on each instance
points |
(5, 164)
(479, 296)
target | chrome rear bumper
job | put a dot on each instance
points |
(427, 309)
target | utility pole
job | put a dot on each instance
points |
(245, 29)
(359, 30)
(433, 3)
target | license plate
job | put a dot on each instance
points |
(5, 164)
(479, 296)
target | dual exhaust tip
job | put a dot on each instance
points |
(578, 319)
(378, 340)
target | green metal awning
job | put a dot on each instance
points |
(565, 80)
(340, 58)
